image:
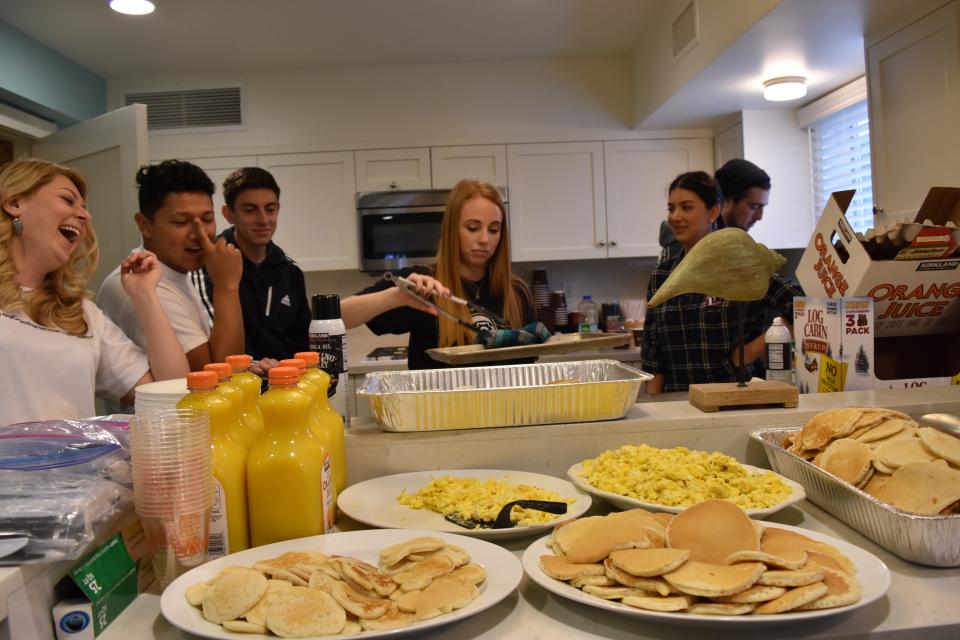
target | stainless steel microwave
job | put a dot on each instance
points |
(399, 228)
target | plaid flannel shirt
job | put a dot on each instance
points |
(690, 338)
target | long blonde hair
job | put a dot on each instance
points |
(503, 285)
(58, 301)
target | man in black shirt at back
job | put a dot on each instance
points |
(276, 314)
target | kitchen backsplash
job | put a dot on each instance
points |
(611, 279)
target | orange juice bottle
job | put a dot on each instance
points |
(289, 482)
(327, 423)
(229, 390)
(228, 522)
(249, 384)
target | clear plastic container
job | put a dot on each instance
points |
(589, 315)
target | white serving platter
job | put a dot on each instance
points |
(374, 502)
(797, 493)
(503, 575)
(872, 574)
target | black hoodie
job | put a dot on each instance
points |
(273, 297)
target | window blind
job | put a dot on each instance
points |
(840, 146)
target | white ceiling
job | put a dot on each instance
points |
(210, 36)
(819, 39)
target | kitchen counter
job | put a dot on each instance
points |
(552, 449)
(921, 602)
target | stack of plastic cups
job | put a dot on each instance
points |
(173, 487)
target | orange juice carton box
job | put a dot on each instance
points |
(916, 298)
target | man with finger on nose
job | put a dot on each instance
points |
(177, 223)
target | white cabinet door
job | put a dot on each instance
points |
(914, 85)
(385, 169)
(318, 221)
(638, 173)
(486, 162)
(218, 169)
(728, 144)
(557, 208)
(108, 150)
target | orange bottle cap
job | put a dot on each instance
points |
(239, 362)
(202, 380)
(283, 375)
(222, 369)
(299, 363)
(312, 358)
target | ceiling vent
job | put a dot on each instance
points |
(191, 108)
(685, 31)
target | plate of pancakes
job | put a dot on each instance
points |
(797, 493)
(377, 582)
(375, 501)
(710, 564)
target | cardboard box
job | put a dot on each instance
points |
(916, 302)
(912, 297)
(103, 583)
(834, 338)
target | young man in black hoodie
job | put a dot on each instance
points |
(276, 313)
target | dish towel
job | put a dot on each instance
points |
(533, 333)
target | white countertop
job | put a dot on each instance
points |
(922, 601)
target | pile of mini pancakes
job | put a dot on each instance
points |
(711, 559)
(307, 593)
(887, 454)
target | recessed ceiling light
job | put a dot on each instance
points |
(132, 7)
(785, 88)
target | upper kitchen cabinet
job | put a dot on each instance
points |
(913, 79)
(557, 208)
(638, 173)
(218, 169)
(486, 162)
(386, 169)
(318, 220)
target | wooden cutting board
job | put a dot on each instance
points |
(727, 395)
(564, 343)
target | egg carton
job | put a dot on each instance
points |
(927, 540)
(884, 242)
(502, 396)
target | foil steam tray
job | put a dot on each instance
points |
(503, 396)
(928, 540)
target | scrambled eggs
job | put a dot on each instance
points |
(681, 478)
(477, 499)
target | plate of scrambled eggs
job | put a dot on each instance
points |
(421, 499)
(671, 480)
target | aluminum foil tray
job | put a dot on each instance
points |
(929, 540)
(504, 396)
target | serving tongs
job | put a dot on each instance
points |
(503, 520)
(410, 287)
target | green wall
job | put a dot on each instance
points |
(38, 80)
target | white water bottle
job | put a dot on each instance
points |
(328, 337)
(779, 353)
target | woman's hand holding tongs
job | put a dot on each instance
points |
(418, 287)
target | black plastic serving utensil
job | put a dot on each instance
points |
(503, 520)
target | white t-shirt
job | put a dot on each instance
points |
(177, 297)
(48, 374)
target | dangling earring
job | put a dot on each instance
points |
(17, 225)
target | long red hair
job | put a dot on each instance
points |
(503, 285)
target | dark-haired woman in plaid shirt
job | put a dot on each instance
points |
(692, 338)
